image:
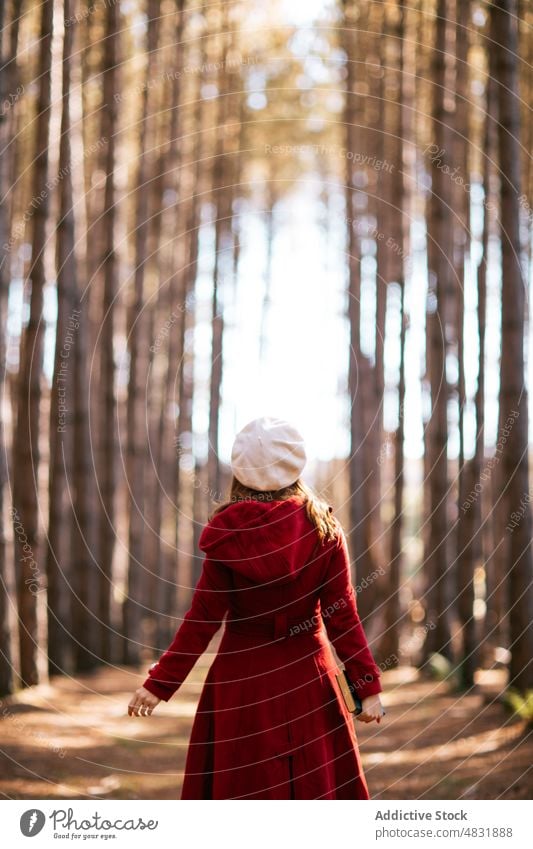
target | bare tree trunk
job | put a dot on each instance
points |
(495, 557)
(167, 458)
(388, 104)
(26, 439)
(106, 426)
(513, 397)
(390, 643)
(436, 556)
(358, 539)
(477, 532)
(467, 528)
(6, 76)
(224, 245)
(138, 344)
(175, 554)
(186, 384)
(58, 571)
(12, 114)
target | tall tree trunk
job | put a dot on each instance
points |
(106, 426)
(138, 344)
(390, 644)
(358, 538)
(495, 560)
(7, 76)
(439, 269)
(186, 383)
(225, 178)
(474, 524)
(26, 438)
(85, 525)
(58, 572)
(223, 266)
(467, 527)
(388, 105)
(187, 386)
(168, 553)
(513, 397)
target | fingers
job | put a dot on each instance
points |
(142, 704)
(363, 717)
(134, 705)
(368, 717)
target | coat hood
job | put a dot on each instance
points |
(266, 541)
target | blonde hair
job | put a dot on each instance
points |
(318, 511)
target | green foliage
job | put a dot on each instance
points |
(520, 703)
(440, 668)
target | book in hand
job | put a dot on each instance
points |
(347, 688)
(349, 694)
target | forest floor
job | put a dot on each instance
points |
(72, 739)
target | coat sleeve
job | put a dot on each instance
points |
(201, 622)
(345, 631)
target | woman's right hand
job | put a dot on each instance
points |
(142, 703)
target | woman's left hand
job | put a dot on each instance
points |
(372, 709)
(142, 703)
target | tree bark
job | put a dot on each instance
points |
(358, 366)
(106, 426)
(390, 643)
(513, 397)
(138, 345)
(467, 526)
(26, 439)
(439, 269)
(167, 259)
(223, 193)
(7, 78)
(58, 572)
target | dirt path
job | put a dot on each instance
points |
(73, 740)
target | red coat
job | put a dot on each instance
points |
(270, 722)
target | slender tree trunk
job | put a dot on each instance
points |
(85, 526)
(6, 675)
(513, 398)
(390, 644)
(106, 426)
(358, 539)
(495, 559)
(173, 171)
(186, 383)
(386, 212)
(11, 117)
(224, 180)
(224, 243)
(26, 439)
(474, 524)
(138, 344)
(436, 555)
(58, 571)
(467, 527)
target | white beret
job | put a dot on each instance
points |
(268, 454)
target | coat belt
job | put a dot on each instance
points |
(277, 627)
